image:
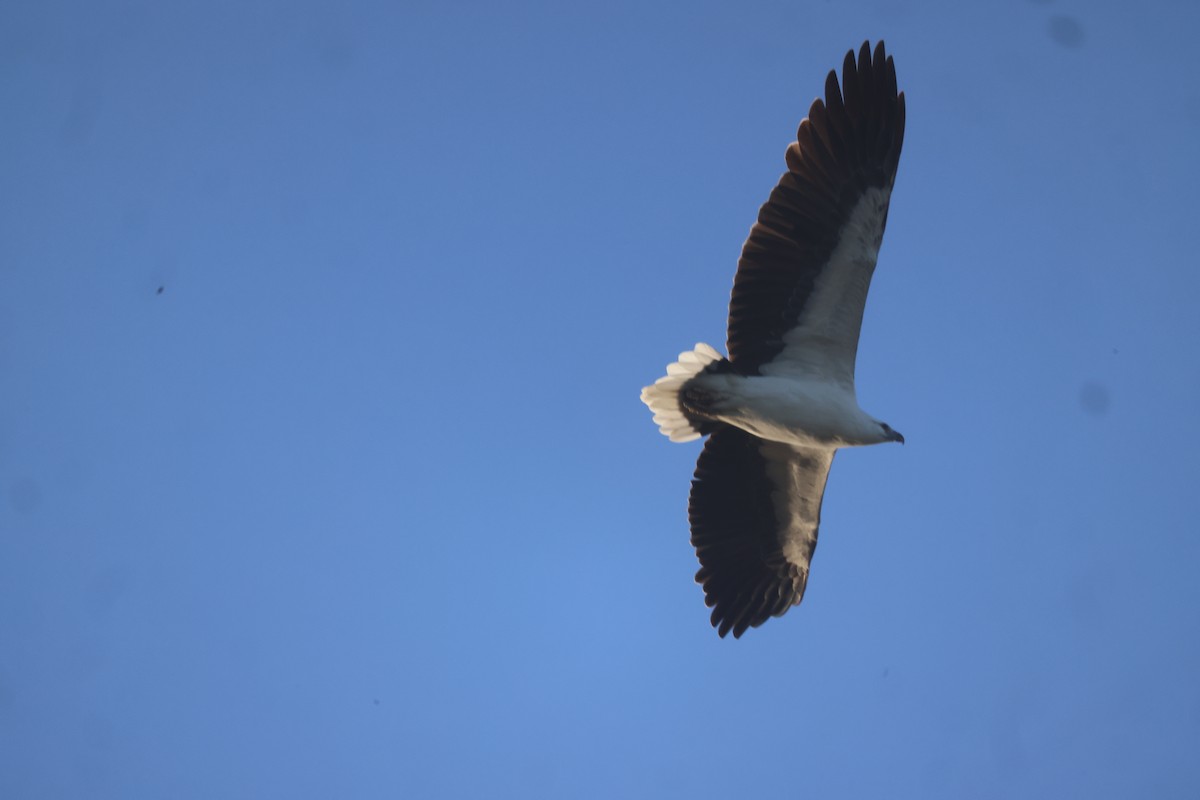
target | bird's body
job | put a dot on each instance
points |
(778, 408)
(799, 410)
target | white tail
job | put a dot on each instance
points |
(663, 396)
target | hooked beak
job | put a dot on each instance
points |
(897, 437)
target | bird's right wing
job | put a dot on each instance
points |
(755, 508)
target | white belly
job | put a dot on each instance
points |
(790, 410)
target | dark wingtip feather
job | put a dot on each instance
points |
(879, 58)
(850, 94)
(833, 91)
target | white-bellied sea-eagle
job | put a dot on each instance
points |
(783, 402)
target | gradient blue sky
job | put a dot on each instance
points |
(364, 504)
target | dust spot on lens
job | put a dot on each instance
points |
(1066, 31)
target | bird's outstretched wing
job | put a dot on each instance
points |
(802, 280)
(755, 508)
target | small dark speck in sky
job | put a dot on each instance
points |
(1094, 398)
(1066, 31)
(160, 290)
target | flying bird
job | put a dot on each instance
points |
(783, 402)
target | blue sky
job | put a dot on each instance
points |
(364, 504)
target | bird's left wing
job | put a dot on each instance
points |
(798, 297)
(754, 509)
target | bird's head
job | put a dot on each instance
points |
(890, 435)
